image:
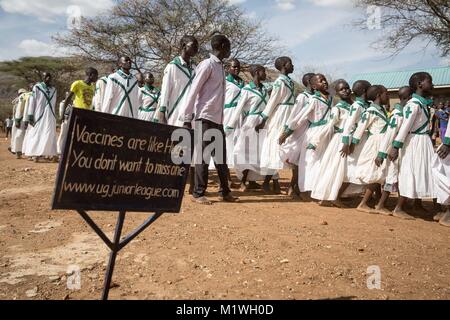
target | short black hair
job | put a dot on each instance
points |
(281, 62)
(230, 61)
(254, 68)
(373, 91)
(307, 78)
(90, 71)
(416, 78)
(404, 92)
(360, 87)
(187, 39)
(338, 82)
(218, 40)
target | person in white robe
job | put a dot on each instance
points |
(176, 84)
(41, 116)
(122, 92)
(317, 136)
(395, 122)
(369, 170)
(441, 171)
(64, 117)
(360, 105)
(275, 116)
(18, 129)
(149, 97)
(290, 150)
(416, 180)
(249, 142)
(333, 165)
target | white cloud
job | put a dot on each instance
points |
(48, 10)
(236, 1)
(285, 5)
(332, 3)
(33, 47)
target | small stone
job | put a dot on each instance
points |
(32, 293)
(284, 261)
(324, 223)
(54, 278)
(361, 249)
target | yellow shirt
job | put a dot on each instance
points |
(84, 94)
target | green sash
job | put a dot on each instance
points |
(126, 96)
(49, 102)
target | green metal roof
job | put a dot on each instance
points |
(397, 79)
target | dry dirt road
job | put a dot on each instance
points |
(266, 247)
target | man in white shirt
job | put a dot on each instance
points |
(122, 92)
(204, 103)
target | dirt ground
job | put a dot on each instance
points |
(266, 247)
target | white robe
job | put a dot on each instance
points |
(375, 122)
(18, 133)
(149, 97)
(332, 165)
(27, 131)
(315, 140)
(249, 143)
(64, 128)
(42, 135)
(99, 96)
(232, 95)
(277, 113)
(121, 95)
(176, 83)
(395, 122)
(415, 179)
(290, 150)
(441, 171)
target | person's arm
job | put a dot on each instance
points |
(365, 122)
(411, 112)
(238, 111)
(444, 149)
(18, 115)
(389, 136)
(297, 122)
(67, 101)
(326, 130)
(273, 103)
(203, 73)
(166, 90)
(109, 97)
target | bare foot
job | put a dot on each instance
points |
(383, 211)
(439, 216)
(243, 188)
(365, 208)
(402, 215)
(338, 204)
(276, 187)
(445, 220)
(266, 188)
(202, 200)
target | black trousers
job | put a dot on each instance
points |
(201, 170)
(8, 131)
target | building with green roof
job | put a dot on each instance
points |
(393, 81)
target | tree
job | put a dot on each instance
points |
(149, 31)
(405, 21)
(29, 70)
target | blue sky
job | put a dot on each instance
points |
(316, 33)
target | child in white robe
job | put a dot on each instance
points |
(441, 171)
(290, 151)
(249, 143)
(416, 180)
(333, 164)
(149, 96)
(395, 122)
(275, 116)
(317, 136)
(374, 122)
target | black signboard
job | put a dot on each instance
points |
(112, 163)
